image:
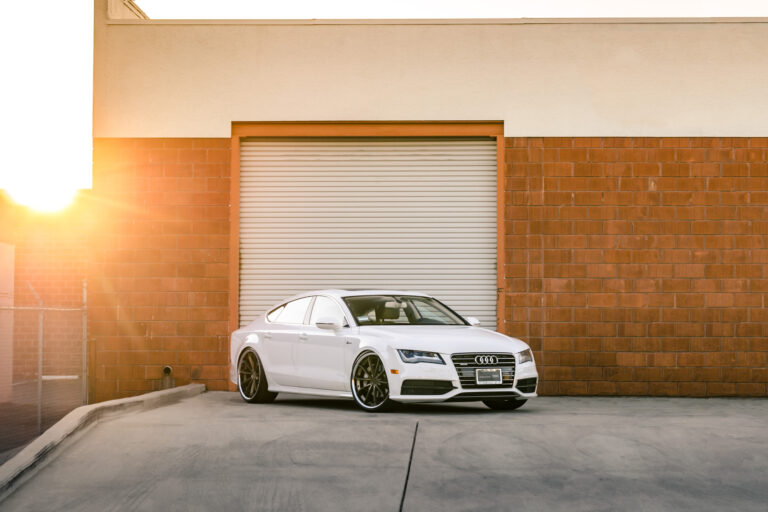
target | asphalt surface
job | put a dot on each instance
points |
(215, 452)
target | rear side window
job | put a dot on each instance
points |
(294, 312)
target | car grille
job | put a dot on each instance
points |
(465, 366)
(527, 385)
(425, 387)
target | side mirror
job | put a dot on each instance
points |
(328, 322)
(473, 321)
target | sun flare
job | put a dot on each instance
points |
(45, 198)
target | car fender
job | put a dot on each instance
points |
(380, 348)
(241, 341)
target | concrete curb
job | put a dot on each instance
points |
(20, 467)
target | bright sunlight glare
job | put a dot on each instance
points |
(47, 102)
(43, 198)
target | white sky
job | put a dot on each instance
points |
(352, 9)
(47, 98)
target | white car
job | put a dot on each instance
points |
(379, 347)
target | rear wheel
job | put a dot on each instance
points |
(501, 404)
(251, 379)
(370, 386)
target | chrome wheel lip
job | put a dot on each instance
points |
(253, 372)
(379, 377)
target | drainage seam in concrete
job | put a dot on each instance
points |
(408, 472)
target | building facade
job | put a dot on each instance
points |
(597, 188)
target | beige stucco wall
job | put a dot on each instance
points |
(166, 79)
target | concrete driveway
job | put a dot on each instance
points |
(215, 452)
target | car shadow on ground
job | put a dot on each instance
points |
(340, 404)
(437, 409)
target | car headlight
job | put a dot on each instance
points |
(417, 356)
(526, 356)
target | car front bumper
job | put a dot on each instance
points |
(399, 372)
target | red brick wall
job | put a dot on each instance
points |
(639, 266)
(158, 282)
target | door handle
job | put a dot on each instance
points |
(302, 337)
(266, 336)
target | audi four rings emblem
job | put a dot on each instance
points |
(486, 359)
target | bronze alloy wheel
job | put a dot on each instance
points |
(251, 381)
(369, 383)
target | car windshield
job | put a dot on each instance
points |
(401, 310)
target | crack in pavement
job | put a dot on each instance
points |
(408, 471)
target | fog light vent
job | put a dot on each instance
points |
(527, 385)
(425, 387)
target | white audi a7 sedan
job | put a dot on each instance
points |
(379, 347)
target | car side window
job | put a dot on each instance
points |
(272, 315)
(326, 307)
(294, 312)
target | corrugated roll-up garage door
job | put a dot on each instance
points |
(400, 213)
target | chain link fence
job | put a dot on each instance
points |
(43, 373)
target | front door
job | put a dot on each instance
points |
(320, 352)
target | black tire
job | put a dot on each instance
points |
(251, 379)
(502, 404)
(370, 387)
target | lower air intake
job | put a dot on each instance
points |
(425, 387)
(527, 385)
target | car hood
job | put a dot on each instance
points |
(446, 339)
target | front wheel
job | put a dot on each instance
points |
(501, 404)
(370, 386)
(251, 379)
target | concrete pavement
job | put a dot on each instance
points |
(215, 452)
(43, 448)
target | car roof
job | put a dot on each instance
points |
(340, 293)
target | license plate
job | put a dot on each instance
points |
(488, 375)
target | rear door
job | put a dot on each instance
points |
(320, 352)
(280, 340)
